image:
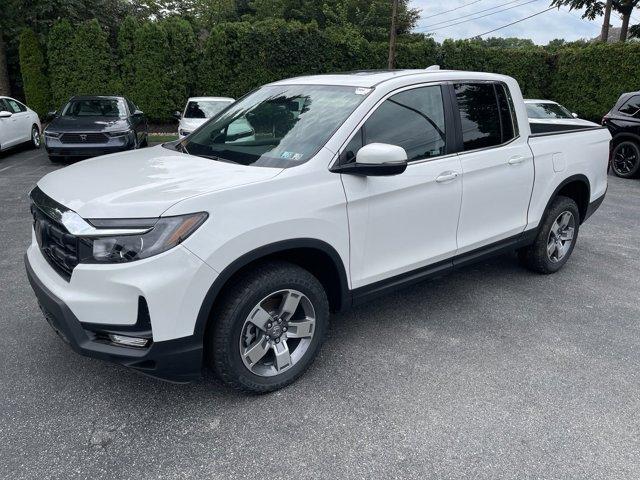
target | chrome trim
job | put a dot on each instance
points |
(74, 223)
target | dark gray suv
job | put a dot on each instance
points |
(88, 126)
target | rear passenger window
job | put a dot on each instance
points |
(631, 106)
(507, 113)
(15, 107)
(480, 116)
(413, 119)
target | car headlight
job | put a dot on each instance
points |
(51, 134)
(122, 133)
(164, 234)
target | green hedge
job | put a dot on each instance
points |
(32, 67)
(590, 80)
(160, 63)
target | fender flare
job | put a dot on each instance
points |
(261, 252)
(573, 178)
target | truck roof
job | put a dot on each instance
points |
(371, 78)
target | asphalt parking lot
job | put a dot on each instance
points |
(492, 372)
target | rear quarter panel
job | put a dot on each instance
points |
(560, 156)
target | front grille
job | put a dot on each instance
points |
(58, 246)
(84, 138)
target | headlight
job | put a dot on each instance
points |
(123, 133)
(51, 134)
(166, 233)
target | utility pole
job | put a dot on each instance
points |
(604, 38)
(392, 36)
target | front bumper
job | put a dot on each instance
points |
(178, 360)
(56, 148)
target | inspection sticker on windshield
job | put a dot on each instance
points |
(362, 91)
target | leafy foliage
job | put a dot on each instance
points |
(32, 67)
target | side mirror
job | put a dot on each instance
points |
(376, 159)
(177, 115)
(5, 114)
(50, 115)
(138, 113)
(575, 115)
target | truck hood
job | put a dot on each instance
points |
(143, 183)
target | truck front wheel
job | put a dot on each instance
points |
(268, 328)
(556, 238)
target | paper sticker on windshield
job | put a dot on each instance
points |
(362, 91)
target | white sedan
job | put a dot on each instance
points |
(546, 116)
(198, 111)
(18, 124)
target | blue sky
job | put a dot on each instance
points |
(541, 29)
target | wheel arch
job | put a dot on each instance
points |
(576, 187)
(316, 256)
(620, 137)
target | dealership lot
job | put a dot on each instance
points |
(490, 372)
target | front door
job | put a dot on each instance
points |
(402, 223)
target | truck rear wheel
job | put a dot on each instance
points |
(269, 328)
(556, 238)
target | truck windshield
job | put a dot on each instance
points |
(205, 108)
(547, 110)
(275, 126)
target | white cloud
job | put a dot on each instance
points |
(541, 29)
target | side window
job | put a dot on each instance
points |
(349, 153)
(480, 116)
(631, 106)
(15, 107)
(413, 119)
(508, 118)
(4, 106)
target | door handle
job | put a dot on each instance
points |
(447, 177)
(517, 160)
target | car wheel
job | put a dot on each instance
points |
(625, 159)
(36, 139)
(556, 238)
(269, 328)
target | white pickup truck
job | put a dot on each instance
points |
(229, 250)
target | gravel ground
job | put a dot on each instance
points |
(492, 372)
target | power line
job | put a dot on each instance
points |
(482, 16)
(512, 23)
(470, 14)
(454, 9)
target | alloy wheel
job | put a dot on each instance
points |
(561, 236)
(625, 158)
(35, 137)
(277, 333)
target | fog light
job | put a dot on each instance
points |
(128, 341)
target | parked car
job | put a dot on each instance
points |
(198, 110)
(549, 116)
(88, 126)
(623, 121)
(230, 252)
(18, 124)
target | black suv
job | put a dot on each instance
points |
(88, 126)
(623, 121)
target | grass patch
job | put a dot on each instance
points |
(162, 137)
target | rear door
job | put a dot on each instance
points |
(9, 126)
(497, 166)
(405, 222)
(21, 120)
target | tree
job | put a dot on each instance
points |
(181, 59)
(596, 8)
(61, 64)
(32, 68)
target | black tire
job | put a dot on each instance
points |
(536, 257)
(36, 140)
(223, 338)
(625, 159)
